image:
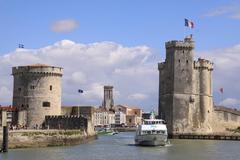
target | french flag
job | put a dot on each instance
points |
(189, 23)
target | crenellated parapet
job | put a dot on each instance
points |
(66, 122)
(41, 69)
(188, 43)
(203, 64)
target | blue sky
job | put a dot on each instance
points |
(110, 29)
(130, 23)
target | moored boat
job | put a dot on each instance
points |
(152, 132)
(106, 131)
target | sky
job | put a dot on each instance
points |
(118, 43)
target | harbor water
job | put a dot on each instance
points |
(121, 147)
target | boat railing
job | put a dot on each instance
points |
(154, 122)
(153, 132)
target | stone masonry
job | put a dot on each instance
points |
(185, 89)
(36, 93)
(108, 102)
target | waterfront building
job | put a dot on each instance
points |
(36, 93)
(103, 117)
(133, 114)
(120, 118)
(8, 115)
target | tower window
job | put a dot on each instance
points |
(183, 51)
(32, 87)
(50, 87)
(46, 104)
(187, 61)
(179, 60)
(19, 89)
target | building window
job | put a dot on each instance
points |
(46, 104)
(187, 61)
(32, 87)
(19, 89)
(50, 87)
(179, 60)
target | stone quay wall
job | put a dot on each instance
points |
(69, 122)
(47, 138)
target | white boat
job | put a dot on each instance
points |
(153, 132)
(106, 131)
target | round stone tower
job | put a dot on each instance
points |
(37, 93)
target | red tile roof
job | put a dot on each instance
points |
(8, 108)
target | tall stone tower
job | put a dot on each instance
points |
(37, 91)
(185, 94)
(108, 102)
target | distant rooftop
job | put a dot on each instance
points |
(8, 108)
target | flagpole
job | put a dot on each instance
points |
(221, 91)
(222, 96)
(184, 30)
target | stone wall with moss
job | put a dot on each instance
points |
(46, 138)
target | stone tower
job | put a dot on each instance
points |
(108, 102)
(37, 91)
(185, 94)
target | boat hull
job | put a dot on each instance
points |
(151, 140)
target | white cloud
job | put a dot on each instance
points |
(5, 95)
(231, 11)
(138, 96)
(90, 67)
(65, 25)
(131, 70)
(230, 102)
(78, 78)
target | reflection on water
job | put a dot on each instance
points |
(121, 147)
